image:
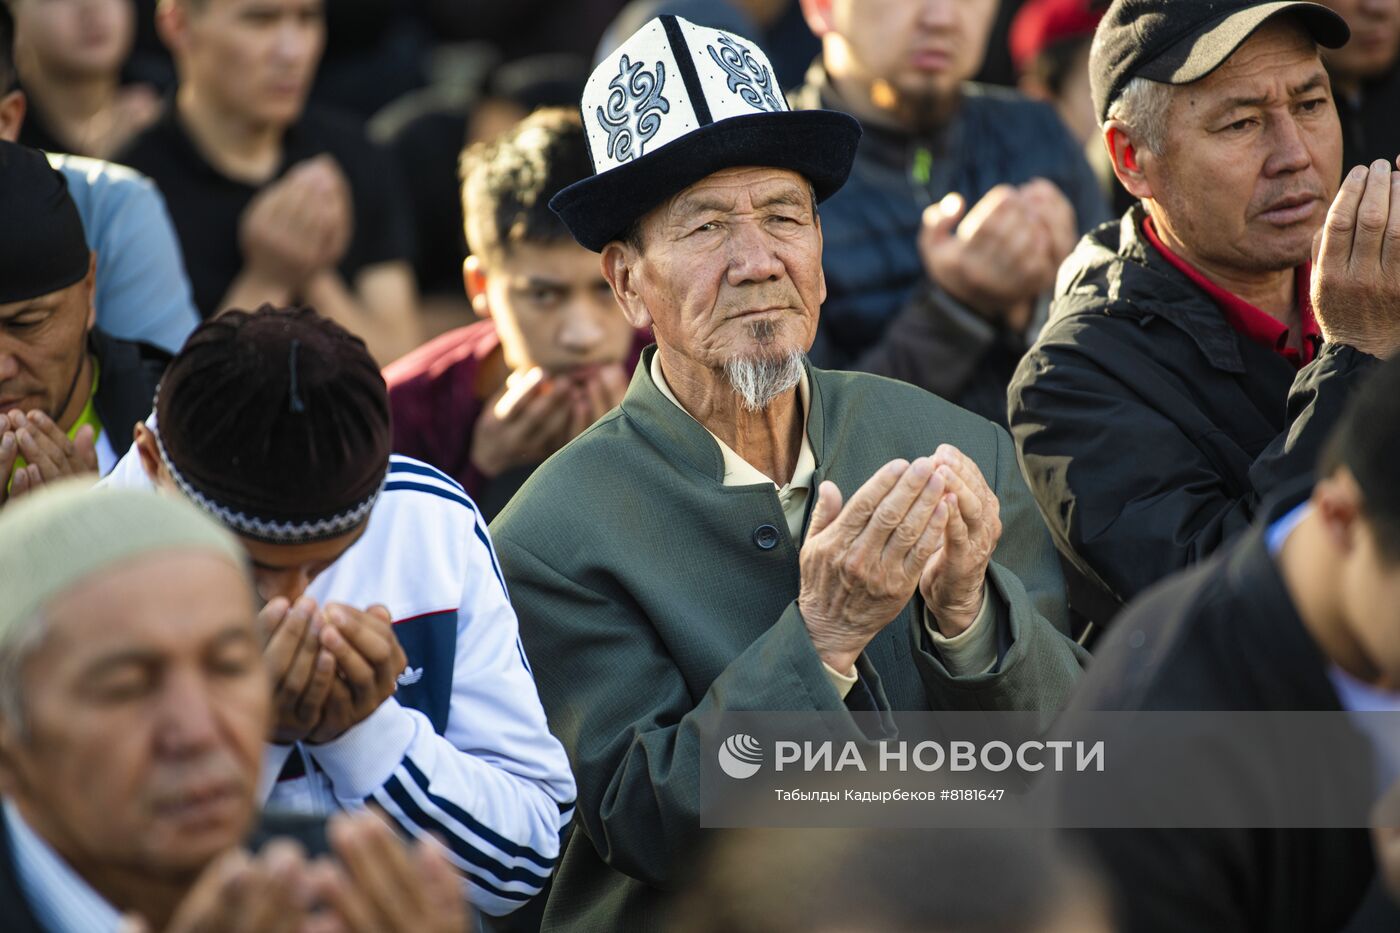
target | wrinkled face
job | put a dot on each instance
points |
(1369, 587)
(911, 54)
(1375, 38)
(146, 706)
(1253, 156)
(731, 268)
(255, 58)
(75, 39)
(553, 308)
(43, 349)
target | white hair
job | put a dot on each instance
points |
(1142, 107)
(17, 643)
(759, 379)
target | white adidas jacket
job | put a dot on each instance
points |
(462, 749)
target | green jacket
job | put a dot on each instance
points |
(645, 600)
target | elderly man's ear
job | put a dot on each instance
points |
(1127, 160)
(619, 268)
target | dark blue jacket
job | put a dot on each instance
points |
(881, 314)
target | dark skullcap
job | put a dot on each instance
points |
(276, 422)
(42, 245)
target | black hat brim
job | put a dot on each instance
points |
(820, 145)
(1207, 48)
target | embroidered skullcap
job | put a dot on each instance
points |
(276, 422)
(62, 534)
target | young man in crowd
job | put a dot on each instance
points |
(1180, 376)
(942, 292)
(552, 352)
(273, 202)
(1301, 613)
(133, 705)
(1366, 79)
(142, 291)
(69, 393)
(70, 55)
(398, 674)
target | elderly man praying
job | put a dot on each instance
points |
(747, 532)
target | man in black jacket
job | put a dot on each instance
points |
(69, 393)
(1165, 395)
(961, 204)
(1303, 613)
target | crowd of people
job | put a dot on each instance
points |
(414, 425)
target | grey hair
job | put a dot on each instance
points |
(757, 380)
(17, 644)
(1142, 106)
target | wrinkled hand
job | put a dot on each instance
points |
(969, 526)
(861, 563)
(1356, 263)
(241, 893)
(594, 394)
(381, 886)
(368, 659)
(522, 424)
(49, 453)
(299, 225)
(1004, 253)
(302, 672)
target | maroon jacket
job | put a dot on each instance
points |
(432, 393)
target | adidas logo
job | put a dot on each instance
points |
(410, 676)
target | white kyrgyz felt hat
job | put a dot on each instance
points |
(677, 102)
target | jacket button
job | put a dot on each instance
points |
(766, 537)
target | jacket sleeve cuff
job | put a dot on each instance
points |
(363, 758)
(842, 683)
(974, 650)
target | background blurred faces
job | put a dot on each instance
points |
(906, 58)
(74, 39)
(1375, 39)
(253, 58)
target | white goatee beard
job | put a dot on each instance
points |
(757, 380)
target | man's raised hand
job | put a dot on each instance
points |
(1356, 263)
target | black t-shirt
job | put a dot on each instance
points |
(207, 205)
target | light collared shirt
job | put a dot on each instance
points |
(1357, 697)
(61, 901)
(972, 651)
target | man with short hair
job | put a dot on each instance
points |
(1301, 613)
(133, 704)
(142, 293)
(748, 532)
(69, 393)
(963, 201)
(1182, 374)
(274, 202)
(398, 675)
(552, 353)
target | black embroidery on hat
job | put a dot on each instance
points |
(752, 80)
(634, 109)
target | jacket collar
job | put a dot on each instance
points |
(1116, 265)
(683, 439)
(1291, 669)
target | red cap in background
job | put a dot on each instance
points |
(1040, 24)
